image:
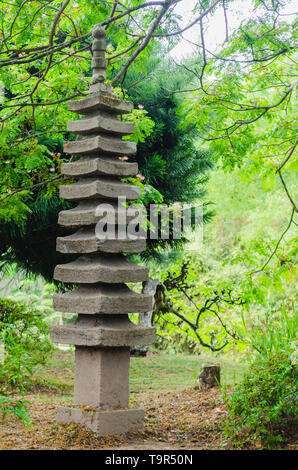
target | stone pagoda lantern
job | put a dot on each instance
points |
(102, 333)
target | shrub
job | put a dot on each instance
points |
(263, 407)
(272, 332)
(24, 336)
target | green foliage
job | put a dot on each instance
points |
(169, 153)
(245, 106)
(263, 407)
(37, 87)
(16, 368)
(32, 243)
(237, 243)
(24, 336)
(166, 153)
(193, 313)
(143, 125)
(273, 332)
(34, 292)
(32, 137)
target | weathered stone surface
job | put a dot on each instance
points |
(99, 62)
(100, 123)
(98, 45)
(90, 270)
(101, 298)
(86, 213)
(99, 188)
(102, 377)
(97, 337)
(103, 422)
(98, 32)
(98, 76)
(100, 101)
(108, 332)
(86, 241)
(107, 166)
(102, 333)
(97, 52)
(105, 144)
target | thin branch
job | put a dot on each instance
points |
(29, 188)
(288, 157)
(48, 50)
(112, 12)
(146, 40)
(224, 6)
(287, 192)
(277, 245)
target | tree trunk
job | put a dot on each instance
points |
(209, 376)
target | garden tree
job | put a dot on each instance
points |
(243, 99)
(169, 154)
(29, 234)
(243, 102)
(183, 303)
(24, 335)
(43, 63)
(31, 244)
(235, 245)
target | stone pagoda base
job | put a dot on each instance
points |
(103, 422)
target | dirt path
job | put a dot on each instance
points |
(190, 419)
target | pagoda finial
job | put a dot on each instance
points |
(99, 62)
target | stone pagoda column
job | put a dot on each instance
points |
(102, 333)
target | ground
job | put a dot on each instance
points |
(178, 415)
(177, 420)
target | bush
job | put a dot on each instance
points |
(24, 336)
(263, 407)
(273, 332)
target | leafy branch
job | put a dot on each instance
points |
(212, 305)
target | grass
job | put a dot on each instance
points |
(173, 371)
(159, 371)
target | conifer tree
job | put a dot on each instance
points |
(170, 158)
